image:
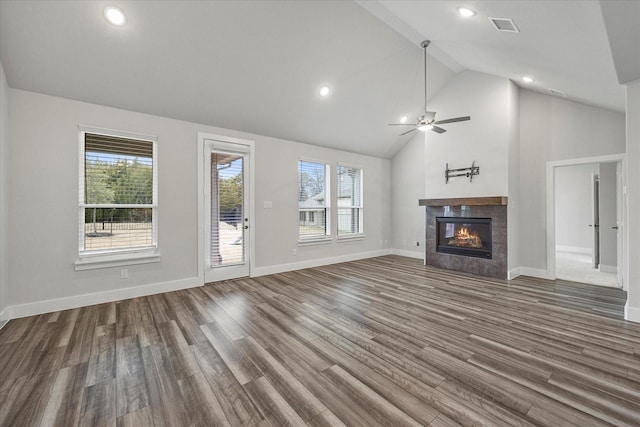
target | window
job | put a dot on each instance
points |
(118, 194)
(349, 201)
(313, 200)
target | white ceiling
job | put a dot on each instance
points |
(256, 66)
(562, 44)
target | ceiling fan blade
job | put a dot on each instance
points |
(401, 124)
(455, 119)
(409, 131)
(438, 129)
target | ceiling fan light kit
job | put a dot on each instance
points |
(428, 120)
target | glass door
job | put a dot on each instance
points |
(227, 219)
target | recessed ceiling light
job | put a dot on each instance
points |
(463, 11)
(115, 16)
(324, 91)
(528, 79)
(404, 119)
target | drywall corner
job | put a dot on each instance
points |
(4, 190)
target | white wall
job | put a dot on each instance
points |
(44, 203)
(608, 217)
(574, 207)
(632, 260)
(513, 206)
(4, 191)
(407, 218)
(553, 128)
(277, 181)
(485, 138)
(490, 138)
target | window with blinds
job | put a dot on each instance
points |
(118, 194)
(349, 201)
(313, 200)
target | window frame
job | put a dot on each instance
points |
(361, 233)
(92, 259)
(327, 237)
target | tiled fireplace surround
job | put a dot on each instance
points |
(476, 207)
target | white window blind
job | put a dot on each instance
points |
(313, 200)
(350, 207)
(118, 194)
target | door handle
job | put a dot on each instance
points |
(615, 227)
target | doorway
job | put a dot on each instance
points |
(586, 220)
(226, 208)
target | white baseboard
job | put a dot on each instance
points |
(5, 316)
(631, 314)
(47, 306)
(281, 268)
(513, 273)
(574, 249)
(536, 272)
(607, 268)
(409, 254)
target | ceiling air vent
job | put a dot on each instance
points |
(504, 24)
(557, 92)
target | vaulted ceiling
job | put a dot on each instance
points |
(257, 66)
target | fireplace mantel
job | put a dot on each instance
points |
(465, 201)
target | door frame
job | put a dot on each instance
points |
(203, 137)
(551, 209)
(620, 209)
(595, 219)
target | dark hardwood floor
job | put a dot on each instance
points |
(383, 341)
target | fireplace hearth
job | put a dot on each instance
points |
(464, 236)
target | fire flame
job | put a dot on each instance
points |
(466, 239)
(463, 233)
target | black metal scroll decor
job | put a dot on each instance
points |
(468, 172)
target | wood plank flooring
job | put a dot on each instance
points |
(384, 341)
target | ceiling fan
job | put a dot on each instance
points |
(428, 120)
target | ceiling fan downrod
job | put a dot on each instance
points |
(424, 45)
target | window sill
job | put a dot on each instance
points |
(315, 241)
(351, 238)
(93, 262)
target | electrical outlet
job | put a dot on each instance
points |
(124, 273)
(295, 252)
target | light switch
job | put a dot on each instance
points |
(268, 204)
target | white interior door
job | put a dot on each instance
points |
(227, 237)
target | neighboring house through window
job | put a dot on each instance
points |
(350, 207)
(313, 200)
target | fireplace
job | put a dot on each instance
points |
(464, 236)
(467, 234)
